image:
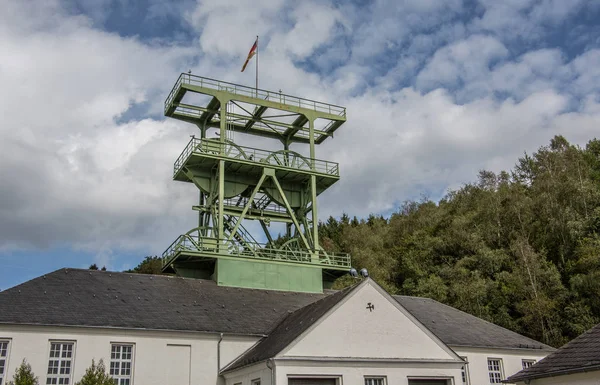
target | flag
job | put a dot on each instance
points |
(250, 54)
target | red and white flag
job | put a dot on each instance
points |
(250, 54)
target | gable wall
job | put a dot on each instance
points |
(152, 351)
(353, 330)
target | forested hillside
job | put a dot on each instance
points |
(520, 248)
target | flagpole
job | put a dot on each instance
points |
(257, 66)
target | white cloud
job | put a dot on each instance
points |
(465, 61)
(87, 161)
(70, 172)
(525, 20)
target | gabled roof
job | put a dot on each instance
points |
(75, 297)
(289, 329)
(580, 355)
(457, 328)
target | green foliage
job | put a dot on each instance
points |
(96, 375)
(520, 248)
(150, 265)
(24, 375)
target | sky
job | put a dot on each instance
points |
(435, 91)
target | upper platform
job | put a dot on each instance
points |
(255, 111)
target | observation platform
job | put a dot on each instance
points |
(191, 248)
(245, 164)
(250, 160)
(253, 107)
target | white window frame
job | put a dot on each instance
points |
(464, 371)
(373, 380)
(4, 355)
(58, 377)
(121, 378)
(492, 370)
(527, 363)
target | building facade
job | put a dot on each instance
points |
(171, 330)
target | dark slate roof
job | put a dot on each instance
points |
(74, 297)
(288, 330)
(457, 328)
(98, 298)
(580, 355)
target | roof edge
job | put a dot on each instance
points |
(533, 349)
(555, 373)
(217, 333)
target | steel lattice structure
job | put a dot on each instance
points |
(239, 183)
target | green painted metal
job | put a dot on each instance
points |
(238, 183)
(256, 275)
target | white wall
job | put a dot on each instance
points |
(386, 331)
(511, 361)
(151, 351)
(353, 373)
(245, 375)
(587, 378)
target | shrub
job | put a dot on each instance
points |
(24, 375)
(96, 375)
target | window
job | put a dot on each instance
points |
(255, 382)
(121, 357)
(527, 363)
(495, 370)
(3, 359)
(464, 371)
(60, 363)
(374, 381)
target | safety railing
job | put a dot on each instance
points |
(194, 244)
(254, 155)
(271, 207)
(238, 89)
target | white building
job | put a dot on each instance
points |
(160, 330)
(576, 363)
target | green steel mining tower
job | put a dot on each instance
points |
(240, 183)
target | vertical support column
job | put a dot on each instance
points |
(201, 195)
(220, 197)
(221, 177)
(223, 123)
(313, 189)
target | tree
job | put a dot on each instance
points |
(24, 375)
(93, 267)
(150, 265)
(96, 375)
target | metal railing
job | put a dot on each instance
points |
(195, 244)
(254, 155)
(241, 203)
(238, 89)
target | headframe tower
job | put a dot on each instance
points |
(238, 184)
